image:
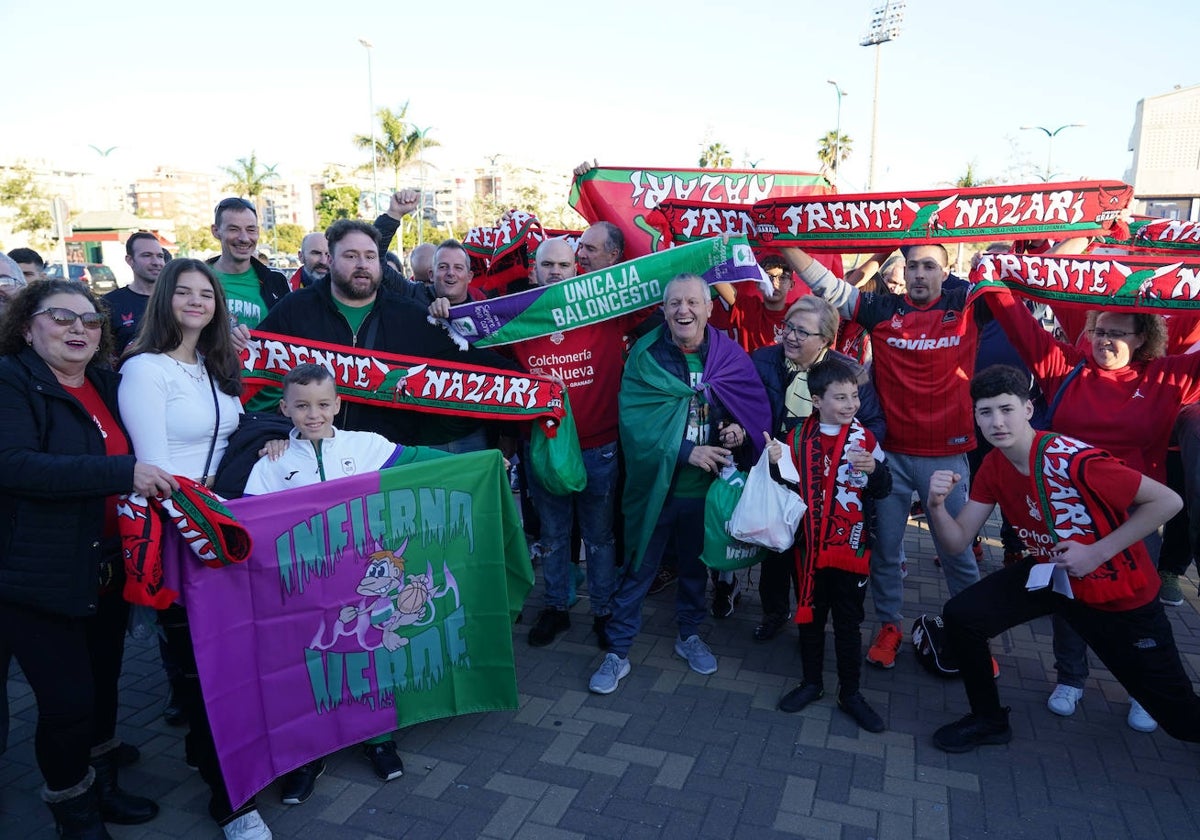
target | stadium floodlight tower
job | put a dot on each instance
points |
(884, 27)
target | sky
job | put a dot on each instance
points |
(196, 86)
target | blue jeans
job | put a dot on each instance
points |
(681, 524)
(909, 473)
(594, 507)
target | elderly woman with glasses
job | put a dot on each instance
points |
(809, 330)
(1120, 393)
(12, 280)
(64, 460)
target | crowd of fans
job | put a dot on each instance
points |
(104, 397)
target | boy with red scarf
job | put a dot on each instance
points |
(1082, 515)
(841, 470)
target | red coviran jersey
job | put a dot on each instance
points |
(924, 361)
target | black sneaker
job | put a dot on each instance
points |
(801, 696)
(384, 760)
(299, 785)
(725, 595)
(550, 623)
(973, 731)
(771, 626)
(600, 628)
(662, 580)
(858, 708)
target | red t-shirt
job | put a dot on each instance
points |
(997, 482)
(1128, 412)
(924, 361)
(749, 322)
(115, 442)
(589, 360)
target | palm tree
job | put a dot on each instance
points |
(832, 144)
(716, 156)
(399, 144)
(970, 178)
(250, 178)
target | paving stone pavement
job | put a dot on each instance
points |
(672, 754)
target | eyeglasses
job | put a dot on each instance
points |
(66, 317)
(7, 282)
(779, 276)
(1103, 333)
(792, 329)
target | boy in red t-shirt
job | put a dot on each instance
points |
(1082, 514)
(842, 471)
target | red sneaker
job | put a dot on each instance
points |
(887, 644)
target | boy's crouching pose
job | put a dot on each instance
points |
(1082, 514)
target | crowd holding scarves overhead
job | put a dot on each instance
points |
(664, 215)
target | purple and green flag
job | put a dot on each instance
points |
(369, 603)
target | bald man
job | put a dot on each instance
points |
(314, 261)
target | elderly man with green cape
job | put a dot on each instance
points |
(690, 404)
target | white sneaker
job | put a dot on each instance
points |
(1139, 719)
(1063, 700)
(247, 827)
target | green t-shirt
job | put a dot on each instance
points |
(692, 482)
(244, 297)
(354, 315)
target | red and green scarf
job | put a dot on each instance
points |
(504, 253)
(386, 379)
(870, 222)
(834, 526)
(1121, 282)
(1070, 510)
(200, 516)
(1158, 236)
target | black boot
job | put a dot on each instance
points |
(118, 806)
(77, 812)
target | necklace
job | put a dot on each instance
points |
(188, 368)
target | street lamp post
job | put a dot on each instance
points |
(837, 134)
(1050, 135)
(885, 26)
(421, 132)
(371, 105)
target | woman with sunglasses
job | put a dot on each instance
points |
(179, 398)
(64, 460)
(1119, 393)
(809, 331)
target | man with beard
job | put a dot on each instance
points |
(251, 288)
(348, 307)
(144, 255)
(314, 261)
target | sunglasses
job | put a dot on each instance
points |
(66, 317)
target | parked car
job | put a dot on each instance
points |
(97, 275)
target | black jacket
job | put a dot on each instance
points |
(394, 325)
(271, 284)
(54, 479)
(771, 367)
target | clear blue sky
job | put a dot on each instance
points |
(198, 85)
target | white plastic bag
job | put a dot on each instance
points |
(768, 512)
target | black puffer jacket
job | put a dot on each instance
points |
(54, 479)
